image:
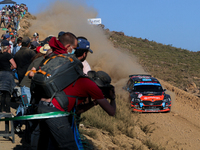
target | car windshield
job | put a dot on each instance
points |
(145, 88)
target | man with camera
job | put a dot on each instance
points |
(59, 129)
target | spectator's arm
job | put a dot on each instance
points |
(84, 107)
(110, 108)
(32, 73)
(13, 64)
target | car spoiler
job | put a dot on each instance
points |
(139, 75)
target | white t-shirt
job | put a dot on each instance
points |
(86, 67)
(11, 44)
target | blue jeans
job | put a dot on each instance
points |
(24, 90)
(57, 129)
(21, 108)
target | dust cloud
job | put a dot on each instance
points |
(72, 17)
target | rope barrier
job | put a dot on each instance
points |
(38, 116)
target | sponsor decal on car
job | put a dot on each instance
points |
(137, 84)
(152, 97)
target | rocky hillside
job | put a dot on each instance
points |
(177, 66)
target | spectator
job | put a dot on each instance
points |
(45, 48)
(2, 37)
(12, 42)
(6, 18)
(6, 37)
(23, 58)
(34, 45)
(61, 33)
(17, 46)
(15, 20)
(26, 83)
(81, 52)
(35, 37)
(7, 82)
(3, 20)
(9, 29)
(46, 41)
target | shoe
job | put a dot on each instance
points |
(18, 130)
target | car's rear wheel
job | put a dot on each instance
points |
(169, 109)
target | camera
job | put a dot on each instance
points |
(108, 91)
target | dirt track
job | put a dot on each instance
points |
(177, 130)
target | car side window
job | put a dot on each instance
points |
(130, 85)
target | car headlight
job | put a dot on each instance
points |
(137, 100)
(167, 100)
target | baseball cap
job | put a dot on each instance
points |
(5, 43)
(83, 44)
(6, 36)
(61, 33)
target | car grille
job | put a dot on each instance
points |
(152, 103)
(153, 108)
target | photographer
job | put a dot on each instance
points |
(59, 127)
(102, 80)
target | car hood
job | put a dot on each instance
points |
(149, 96)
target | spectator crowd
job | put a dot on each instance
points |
(20, 57)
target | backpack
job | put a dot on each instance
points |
(55, 74)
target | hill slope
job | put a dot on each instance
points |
(175, 65)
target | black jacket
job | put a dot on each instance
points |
(23, 59)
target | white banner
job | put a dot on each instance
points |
(95, 21)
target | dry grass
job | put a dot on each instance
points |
(91, 134)
(122, 122)
(147, 128)
(153, 146)
(137, 148)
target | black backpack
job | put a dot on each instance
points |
(57, 72)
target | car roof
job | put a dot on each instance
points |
(143, 78)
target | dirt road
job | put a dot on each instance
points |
(179, 129)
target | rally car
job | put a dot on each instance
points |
(147, 94)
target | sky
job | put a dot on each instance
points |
(170, 22)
